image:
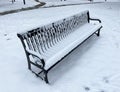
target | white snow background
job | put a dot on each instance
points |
(6, 5)
(92, 67)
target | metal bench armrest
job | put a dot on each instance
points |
(94, 19)
(35, 54)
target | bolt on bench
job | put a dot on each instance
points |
(47, 45)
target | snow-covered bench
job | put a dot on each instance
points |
(47, 45)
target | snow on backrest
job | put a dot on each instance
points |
(43, 38)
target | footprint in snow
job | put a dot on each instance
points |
(87, 88)
(5, 34)
(8, 39)
(106, 80)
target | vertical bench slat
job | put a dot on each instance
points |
(33, 42)
(52, 35)
(44, 39)
(40, 40)
(54, 31)
(47, 38)
(29, 44)
(37, 42)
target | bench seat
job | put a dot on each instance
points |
(59, 50)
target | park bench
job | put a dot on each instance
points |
(47, 45)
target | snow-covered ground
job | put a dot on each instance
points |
(67, 2)
(6, 5)
(73, 2)
(92, 67)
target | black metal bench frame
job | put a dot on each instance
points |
(43, 74)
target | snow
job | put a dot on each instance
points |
(6, 5)
(73, 2)
(69, 43)
(92, 67)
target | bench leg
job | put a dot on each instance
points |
(46, 77)
(29, 65)
(98, 33)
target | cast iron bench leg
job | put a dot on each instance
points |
(46, 77)
(98, 32)
(29, 66)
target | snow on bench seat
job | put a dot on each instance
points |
(58, 51)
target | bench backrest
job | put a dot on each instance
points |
(44, 37)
